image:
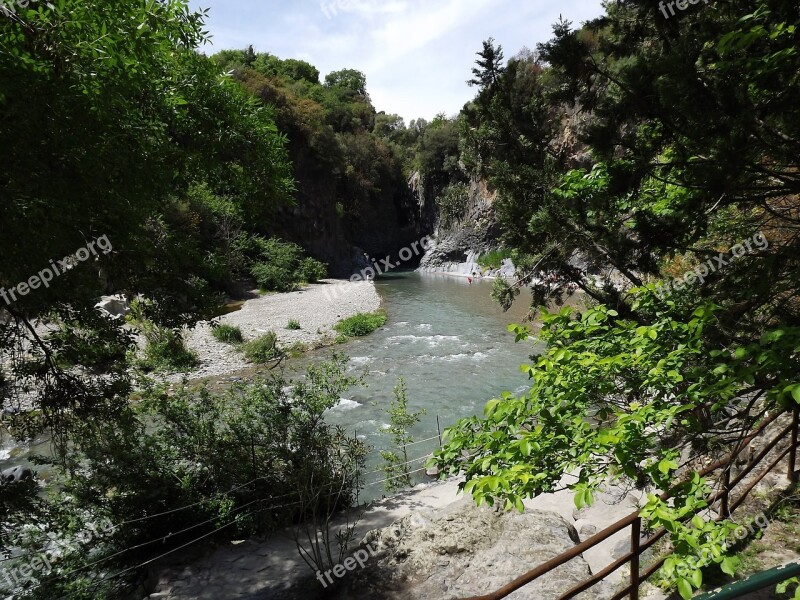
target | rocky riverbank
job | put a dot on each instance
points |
(317, 308)
(428, 536)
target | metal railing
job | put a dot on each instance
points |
(634, 521)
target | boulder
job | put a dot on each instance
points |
(460, 551)
(114, 306)
(16, 474)
(587, 530)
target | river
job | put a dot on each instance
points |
(445, 337)
(449, 341)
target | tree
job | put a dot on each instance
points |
(119, 143)
(490, 65)
(675, 157)
(349, 79)
(396, 463)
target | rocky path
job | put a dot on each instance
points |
(271, 568)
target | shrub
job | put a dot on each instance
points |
(312, 270)
(272, 278)
(280, 266)
(228, 334)
(293, 324)
(263, 349)
(452, 202)
(196, 460)
(166, 350)
(361, 324)
(494, 259)
(99, 345)
(297, 349)
(395, 462)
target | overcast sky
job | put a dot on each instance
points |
(417, 54)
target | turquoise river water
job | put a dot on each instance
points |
(449, 341)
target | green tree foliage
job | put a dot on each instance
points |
(452, 202)
(180, 465)
(354, 82)
(489, 66)
(629, 151)
(336, 138)
(281, 266)
(396, 463)
(113, 125)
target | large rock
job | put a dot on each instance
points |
(114, 306)
(461, 551)
(16, 474)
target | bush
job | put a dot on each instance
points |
(297, 349)
(293, 325)
(272, 278)
(280, 266)
(452, 202)
(166, 350)
(98, 344)
(312, 270)
(228, 334)
(494, 259)
(361, 324)
(196, 460)
(263, 350)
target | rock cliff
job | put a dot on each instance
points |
(459, 242)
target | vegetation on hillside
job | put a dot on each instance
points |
(333, 127)
(117, 135)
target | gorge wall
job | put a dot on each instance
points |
(459, 241)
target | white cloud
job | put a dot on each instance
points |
(417, 54)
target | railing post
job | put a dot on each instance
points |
(793, 451)
(439, 430)
(636, 535)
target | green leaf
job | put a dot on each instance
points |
(696, 578)
(491, 406)
(796, 393)
(684, 588)
(666, 465)
(728, 566)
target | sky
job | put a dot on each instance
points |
(417, 54)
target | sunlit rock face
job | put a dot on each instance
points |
(461, 551)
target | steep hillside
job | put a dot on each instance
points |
(350, 162)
